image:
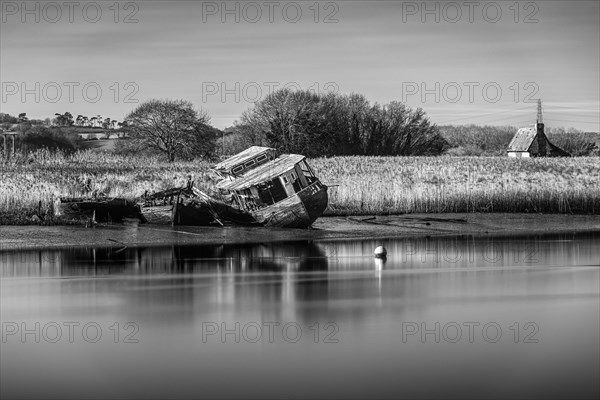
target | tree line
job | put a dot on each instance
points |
(294, 121)
(63, 119)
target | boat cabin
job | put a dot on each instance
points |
(245, 161)
(272, 182)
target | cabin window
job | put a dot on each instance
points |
(246, 199)
(264, 194)
(297, 185)
(271, 192)
(238, 169)
(249, 163)
(293, 176)
(285, 179)
(261, 158)
(277, 190)
(306, 171)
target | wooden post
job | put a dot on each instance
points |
(174, 211)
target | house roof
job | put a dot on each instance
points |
(523, 139)
(240, 158)
(263, 173)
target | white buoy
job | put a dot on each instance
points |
(380, 252)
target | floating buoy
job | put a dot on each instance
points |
(380, 252)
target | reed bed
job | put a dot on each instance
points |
(394, 185)
(29, 185)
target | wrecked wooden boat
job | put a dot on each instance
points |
(275, 190)
(98, 209)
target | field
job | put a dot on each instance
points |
(359, 185)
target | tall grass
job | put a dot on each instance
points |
(460, 184)
(365, 185)
(34, 182)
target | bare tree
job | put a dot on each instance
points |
(335, 124)
(172, 127)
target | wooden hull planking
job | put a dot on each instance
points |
(161, 215)
(297, 211)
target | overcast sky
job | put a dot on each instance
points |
(474, 64)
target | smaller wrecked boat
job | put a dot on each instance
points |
(275, 190)
(99, 209)
(190, 206)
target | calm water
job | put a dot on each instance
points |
(452, 317)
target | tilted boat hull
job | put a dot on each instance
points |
(297, 211)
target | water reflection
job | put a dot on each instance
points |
(305, 256)
(172, 292)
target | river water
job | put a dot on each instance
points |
(462, 317)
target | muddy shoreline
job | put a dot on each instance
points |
(326, 228)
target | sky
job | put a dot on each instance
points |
(463, 62)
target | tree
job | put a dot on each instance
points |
(171, 127)
(65, 119)
(574, 141)
(7, 118)
(23, 117)
(335, 124)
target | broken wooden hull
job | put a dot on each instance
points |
(297, 211)
(186, 213)
(113, 210)
(234, 215)
(194, 215)
(161, 215)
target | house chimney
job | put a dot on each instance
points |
(540, 135)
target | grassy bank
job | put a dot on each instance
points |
(365, 185)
